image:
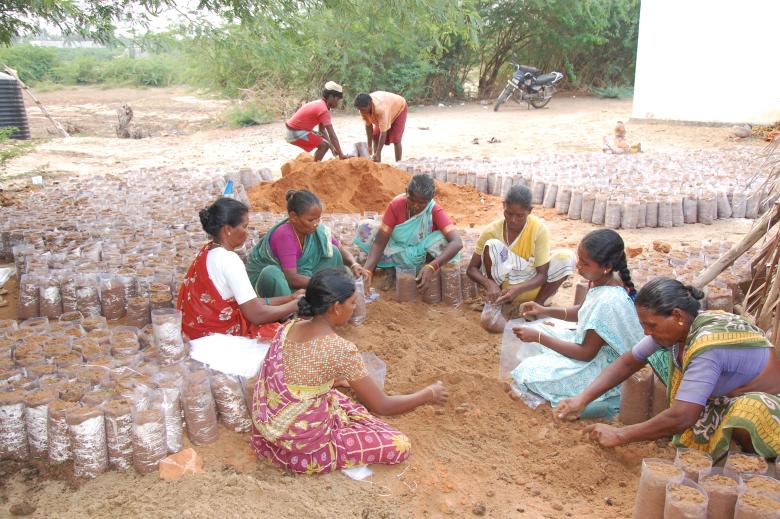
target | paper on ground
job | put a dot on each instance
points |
(358, 473)
(230, 354)
(5, 275)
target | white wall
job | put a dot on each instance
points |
(708, 61)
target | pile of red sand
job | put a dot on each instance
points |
(358, 185)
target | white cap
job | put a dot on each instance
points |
(332, 85)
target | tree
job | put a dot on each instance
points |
(97, 19)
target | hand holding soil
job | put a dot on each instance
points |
(506, 296)
(569, 409)
(493, 291)
(605, 435)
(359, 272)
(297, 294)
(439, 393)
(424, 279)
(527, 334)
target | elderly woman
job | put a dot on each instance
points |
(415, 230)
(216, 295)
(295, 248)
(723, 377)
(301, 422)
(512, 258)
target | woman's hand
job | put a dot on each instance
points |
(531, 309)
(492, 291)
(424, 279)
(359, 272)
(506, 296)
(438, 393)
(569, 409)
(295, 296)
(605, 435)
(527, 334)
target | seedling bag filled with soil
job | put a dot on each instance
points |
(359, 315)
(651, 494)
(87, 431)
(722, 493)
(200, 411)
(149, 445)
(13, 434)
(492, 319)
(635, 397)
(685, 500)
(230, 401)
(119, 433)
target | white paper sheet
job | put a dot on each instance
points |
(358, 473)
(229, 354)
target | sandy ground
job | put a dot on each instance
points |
(481, 454)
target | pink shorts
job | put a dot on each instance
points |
(311, 141)
(396, 131)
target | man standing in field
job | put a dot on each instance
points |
(300, 127)
(385, 116)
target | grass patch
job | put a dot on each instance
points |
(613, 91)
(11, 148)
(246, 114)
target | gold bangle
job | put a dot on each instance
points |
(434, 269)
(540, 337)
(565, 314)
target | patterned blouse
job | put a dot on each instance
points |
(321, 360)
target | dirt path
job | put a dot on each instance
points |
(483, 453)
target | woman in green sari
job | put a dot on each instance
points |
(295, 248)
(723, 377)
(415, 230)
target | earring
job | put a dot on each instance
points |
(680, 323)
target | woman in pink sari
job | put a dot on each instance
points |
(216, 295)
(301, 422)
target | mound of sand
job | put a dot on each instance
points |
(358, 185)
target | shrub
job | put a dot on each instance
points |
(246, 114)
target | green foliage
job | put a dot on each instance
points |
(10, 148)
(31, 63)
(248, 114)
(46, 66)
(613, 91)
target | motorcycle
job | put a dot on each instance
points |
(528, 86)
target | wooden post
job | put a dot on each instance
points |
(760, 229)
(12, 72)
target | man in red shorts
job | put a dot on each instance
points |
(385, 116)
(316, 113)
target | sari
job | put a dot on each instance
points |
(316, 429)
(608, 311)
(757, 413)
(265, 271)
(409, 242)
(204, 311)
(516, 262)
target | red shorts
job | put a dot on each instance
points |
(396, 131)
(312, 141)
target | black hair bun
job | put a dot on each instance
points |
(204, 216)
(304, 308)
(289, 194)
(695, 292)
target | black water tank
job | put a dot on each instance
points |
(12, 111)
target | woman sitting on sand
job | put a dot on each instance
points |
(216, 295)
(607, 326)
(723, 377)
(415, 230)
(512, 258)
(295, 248)
(301, 422)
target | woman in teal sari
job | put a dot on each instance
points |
(415, 230)
(295, 248)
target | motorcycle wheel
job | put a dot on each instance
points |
(540, 103)
(502, 98)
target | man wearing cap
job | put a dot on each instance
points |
(384, 114)
(300, 127)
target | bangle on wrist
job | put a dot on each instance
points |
(565, 314)
(267, 301)
(428, 265)
(540, 338)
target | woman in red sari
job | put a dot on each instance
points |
(216, 295)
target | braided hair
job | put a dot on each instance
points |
(606, 248)
(326, 288)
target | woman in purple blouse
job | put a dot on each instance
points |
(723, 379)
